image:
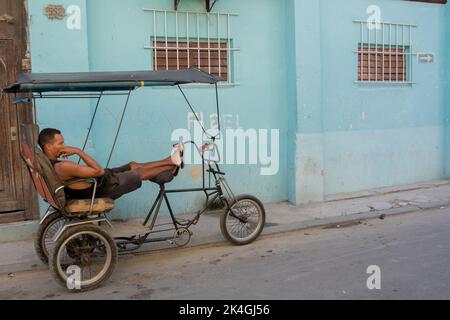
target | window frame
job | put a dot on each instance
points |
(191, 27)
(191, 54)
(385, 36)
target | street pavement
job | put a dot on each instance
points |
(17, 256)
(410, 251)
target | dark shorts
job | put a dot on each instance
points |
(113, 184)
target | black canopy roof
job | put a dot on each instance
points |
(107, 81)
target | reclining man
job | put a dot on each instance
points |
(112, 183)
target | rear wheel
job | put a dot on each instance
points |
(245, 220)
(43, 241)
(84, 257)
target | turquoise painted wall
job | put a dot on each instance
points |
(296, 70)
(113, 37)
(353, 137)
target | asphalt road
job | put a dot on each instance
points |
(411, 250)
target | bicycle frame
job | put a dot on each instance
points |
(211, 193)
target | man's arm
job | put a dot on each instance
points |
(68, 169)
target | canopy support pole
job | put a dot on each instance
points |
(118, 129)
(92, 122)
(198, 120)
(218, 113)
(195, 114)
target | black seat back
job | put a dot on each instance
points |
(39, 166)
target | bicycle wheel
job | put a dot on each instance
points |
(43, 240)
(84, 257)
(245, 220)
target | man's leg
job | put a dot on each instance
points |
(152, 165)
(148, 173)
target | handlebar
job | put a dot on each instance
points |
(208, 146)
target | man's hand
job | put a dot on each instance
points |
(68, 151)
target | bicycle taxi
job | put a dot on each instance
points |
(78, 232)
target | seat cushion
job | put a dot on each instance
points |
(83, 206)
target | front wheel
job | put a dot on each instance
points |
(244, 221)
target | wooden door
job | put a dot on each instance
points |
(18, 200)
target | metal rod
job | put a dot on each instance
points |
(393, 82)
(192, 109)
(218, 110)
(209, 45)
(383, 56)
(154, 40)
(198, 40)
(163, 230)
(71, 95)
(388, 23)
(184, 11)
(188, 42)
(361, 57)
(90, 125)
(193, 48)
(219, 44)
(404, 55)
(376, 52)
(93, 197)
(390, 54)
(175, 222)
(118, 130)
(203, 171)
(176, 39)
(396, 53)
(369, 46)
(190, 190)
(229, 69)
(209, 174)
(165, 34)
(158, 206)
(157, 239)
(410, 54)
(151, 210)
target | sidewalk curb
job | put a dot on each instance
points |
(346, 219)
(316, 223)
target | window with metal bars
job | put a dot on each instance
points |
(184, 39)
(376, 64)
(385, 52)
(193, 54)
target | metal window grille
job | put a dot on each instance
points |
(385, 53)
(184, 39)
(193, 54)
(374, 65)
